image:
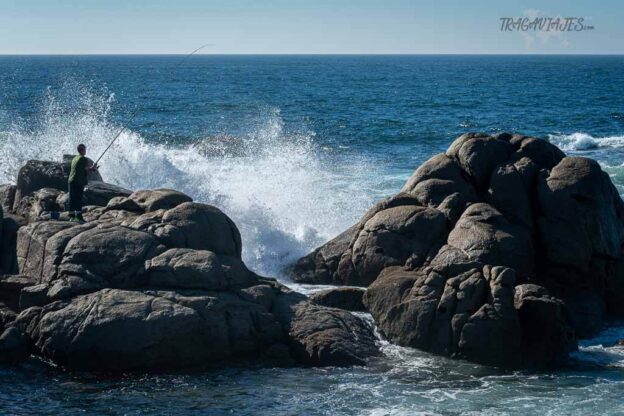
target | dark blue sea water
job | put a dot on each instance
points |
(295, 149)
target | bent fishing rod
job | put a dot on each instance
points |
(136, 111)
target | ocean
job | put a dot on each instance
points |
(295, 149)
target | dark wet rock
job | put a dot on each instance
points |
(547, 334)
(611, 273)
(8, 243)
(587, 311)
(7, 197)
(153, 200)
(35, 295)
(7, 316)
(512, 201)
(263, 293)
(11, 287)
(14, 346)
(348, 298)
(100, 193)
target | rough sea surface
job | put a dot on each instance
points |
(295, 149)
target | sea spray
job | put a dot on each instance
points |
(580, 141)
(286, 194)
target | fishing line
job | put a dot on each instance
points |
(136, 111)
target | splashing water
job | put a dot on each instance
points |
(286, 194)
(582, 141)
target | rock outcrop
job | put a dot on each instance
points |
(348, 298)
(38, 174)
(152, 281)
(501, 251)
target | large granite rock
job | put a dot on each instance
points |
(38, 174)
(580, 228)
(84, 257)
(394, 232)
(153, 281)
(191, 225)
(324, 336)
(120, 330)
(491, 207)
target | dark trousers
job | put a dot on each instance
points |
(75, 198)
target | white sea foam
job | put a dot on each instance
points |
(284, 192)
(603, 350)
(582, 141)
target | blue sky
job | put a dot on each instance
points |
(297, 26)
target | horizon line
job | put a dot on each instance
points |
(312, 54)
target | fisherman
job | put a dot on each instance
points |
(78, 179)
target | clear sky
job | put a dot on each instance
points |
(301, 26)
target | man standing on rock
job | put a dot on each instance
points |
(78, 179)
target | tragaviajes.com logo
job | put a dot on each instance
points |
(544, 24)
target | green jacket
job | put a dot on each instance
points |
(78, 173)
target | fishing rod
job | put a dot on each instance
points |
(136, 111)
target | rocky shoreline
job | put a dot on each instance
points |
(502, 251)
(152, 281)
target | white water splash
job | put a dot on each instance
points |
(604, 350)
(583, 141)
(286, 194)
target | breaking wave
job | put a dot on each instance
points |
(286, 194)
(583, 141)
